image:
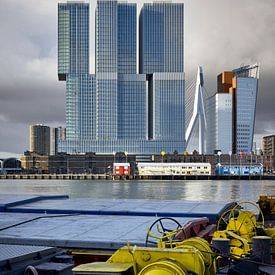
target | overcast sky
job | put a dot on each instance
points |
(219, 35)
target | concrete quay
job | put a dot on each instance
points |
(131, 177)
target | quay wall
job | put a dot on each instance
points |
(131, 177)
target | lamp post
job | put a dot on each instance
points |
(114, 154)
(219, 164)
(114, 168)
(230, 155)
(240, 168)
(250, 162)
(162, 155)
(126, 154)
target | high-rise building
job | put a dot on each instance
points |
(40, 139)
(161, 55)
(44, 139)
(56, 134)
(73, 66)
(269, 145)
(219, 123)
(117, 109)
(245, 99)
(241, 86)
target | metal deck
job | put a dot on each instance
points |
(8, 200)
(76, 231)
(15, 252)
(91, 223)
(15, 258)
(128, 207)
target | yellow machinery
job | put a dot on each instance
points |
(182, 257)
(240, 227)
(169, 257)
(150, 261)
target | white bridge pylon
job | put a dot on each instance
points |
(198, 115)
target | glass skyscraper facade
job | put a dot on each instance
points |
(127, 38)
(219, 123)
(117, 109)
(161, 44)
(161, 37)
(245, 100)
(106, 36)
(80, 106)
(246, 96)
(73, 39)
(168, 106)
(132, 106)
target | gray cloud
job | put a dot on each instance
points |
(29, 90)
(219, 35)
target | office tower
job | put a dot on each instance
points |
(219, 123)
(115, 54)
(61, 133)
(73, 39)
(56, 134)
(73, 66)
(245, 99)
(40, 139)
(117, 109)
(269, 145)
(53, 141)
(241, 85)
(161, 55)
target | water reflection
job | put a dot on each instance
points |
(171, 190)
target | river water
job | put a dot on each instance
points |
(170, 190)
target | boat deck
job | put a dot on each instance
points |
(128, 207)
(59, 221)
(75, 231)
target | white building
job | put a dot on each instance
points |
(219, 123)
(173, 168)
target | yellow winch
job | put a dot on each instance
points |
(240, 227)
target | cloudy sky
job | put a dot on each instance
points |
(219, 35)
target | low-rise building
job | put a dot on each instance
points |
(62, 163)
(92, 163)
(33, 162)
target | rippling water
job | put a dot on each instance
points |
(171, 190)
